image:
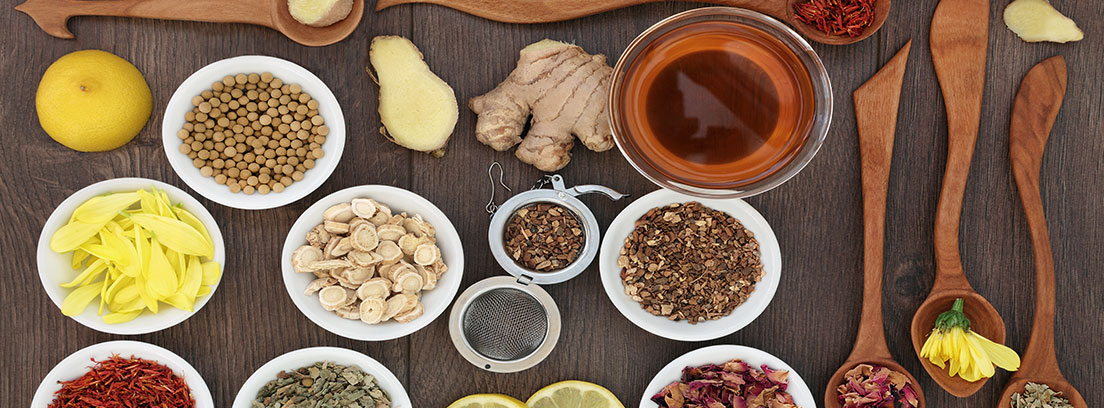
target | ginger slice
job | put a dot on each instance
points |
(342, 212)
(564, 89)
(332, 297)
(372, 309)
(410, 315)
(427, 254)
(363, 207)
(390, 232)
(319, 13)
(374, 288)
(418, 109)
(304, 257)
(1037, 20)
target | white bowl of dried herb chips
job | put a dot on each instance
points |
(310, 369)
(756, 302)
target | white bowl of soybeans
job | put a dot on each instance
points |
(253, 132)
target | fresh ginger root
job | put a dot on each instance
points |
(566, 91)
(1037, 20)
(319, 13)
(418, 109)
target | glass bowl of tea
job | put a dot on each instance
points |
(719, 102)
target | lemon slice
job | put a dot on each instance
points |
(574, 394)
(487, 401)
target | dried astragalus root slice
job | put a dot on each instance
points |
(418, 226)
(375, 288)
(318, 237)
(390, 252)
(328, 265)
(429, 278)
(318, 284)
(408, 281)
(363, 207)
(333, 297)
(364, 237)
(340, 248)
(427, 254)
(381, 208)
(334, 227)
(363, 259)
(341, 213)
(357, 276)
(372, 310)
(395, 306)
(408, 243)
(393, 271)
(410, 315)
(351, 312)
(304, 257)
(390, 232)
(380, 218)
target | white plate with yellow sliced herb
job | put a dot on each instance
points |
(130, 256)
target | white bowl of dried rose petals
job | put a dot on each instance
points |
(689, 268)
(759, 370)
(372, 262)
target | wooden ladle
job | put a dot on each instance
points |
(52, 15)
(545, 11)
(1033, 113)
(876, 104)
(959, 39)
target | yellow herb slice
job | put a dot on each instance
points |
(176, 234)
(77, 300)
(179, 301)
(94, 269)
(190, 219)
(162, 280)
(211, 273)
(203, 291)
(72, 235)
(193, 278)
(101, 209)
(79, 255)
(121, 317)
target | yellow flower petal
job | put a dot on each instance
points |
(99, 210)
(1001, 355)
(77, 300)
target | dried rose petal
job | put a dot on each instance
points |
(875, 386)
(734, 384)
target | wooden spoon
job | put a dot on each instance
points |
(546, 11)
(959, 37)
(52, 15)
(876, 104)
(1033, 114)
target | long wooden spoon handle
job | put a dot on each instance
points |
(959, 39)
(1033, 113)
(51, 15)
(545, 11)
(876, 104)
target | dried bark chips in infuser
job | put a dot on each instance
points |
(544, 237)
(690, 262)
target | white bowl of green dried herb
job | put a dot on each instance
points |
(769, 258)
(308, 357)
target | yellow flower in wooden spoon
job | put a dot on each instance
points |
(963, 352)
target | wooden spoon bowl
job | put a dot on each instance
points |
(546, 11)
(831, 395)
(984, 320)
(1057, 384)
(52, 15)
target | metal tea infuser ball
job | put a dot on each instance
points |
(509, 323)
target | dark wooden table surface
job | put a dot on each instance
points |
(817, 215)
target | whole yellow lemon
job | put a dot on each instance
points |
(93, 101)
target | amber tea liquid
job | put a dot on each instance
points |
(717, 104)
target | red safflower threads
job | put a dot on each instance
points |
(836, 17)
(124, 383)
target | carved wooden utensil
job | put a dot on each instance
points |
(1033, 114)
(545, 11)
(959, 39)
(876, 112)
(52, 15)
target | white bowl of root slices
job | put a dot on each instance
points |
(349, 378)
(669, 259)
(372, 262)
(130, 256)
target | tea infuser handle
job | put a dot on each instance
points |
(491, 206)
(594, 188)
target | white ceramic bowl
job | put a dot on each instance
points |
(78, 363)
(744, 314)
(289, 72)
(434, 301)
(308, 356)
(55, 269)
(720, 354)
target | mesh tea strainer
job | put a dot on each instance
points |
(508, 323)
